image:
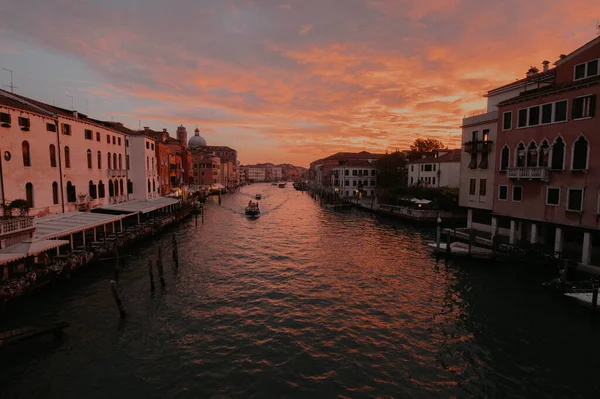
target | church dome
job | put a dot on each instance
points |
(196, 140)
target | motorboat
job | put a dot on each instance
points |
(257, 196)
(274, 183)
(282, 184)
(252, 210)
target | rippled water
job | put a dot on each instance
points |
(304, 302)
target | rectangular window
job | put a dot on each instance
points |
(126, 143)
(586, 70)
(584, 107)
(411, 180)
(592, 68)
(114, 140)
(152, 145)
(147, 145)
(66, 129)
(421, 168)
(98, 136)
(507, 120)
(108, 138)
(119, 141)
(579, 71)
(547, 113)
(517, 193)
(534, 116)
(434, 180)
(575, 200)
(428, 168)
(354, 172)
(373, 172)
(412, 168)
(472, 183)
(88, 134)
(482, 187)
(434, 167)
(503, 193)
(560, 111)
(552, 196)
(24, 122)
(354, 183)
(51, 127)
(5, 119)
(522, 118)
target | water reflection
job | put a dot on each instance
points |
(303, 302)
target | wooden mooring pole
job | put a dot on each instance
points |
(471, 239)
(175, 252)
(115, 292)
(116, 271)
(595, 299)
(448, 238)
(159, 266)
(151, 274)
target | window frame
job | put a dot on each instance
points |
(587, 155)
(504, 120)
(591, 112)
(540, 116)
(513, 194)
(500, 186)
(548, 188)
(472, 184)
(569, 189)
(585, 73)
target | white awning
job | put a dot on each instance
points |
(143, 206)
(28, 248)
(72, 222)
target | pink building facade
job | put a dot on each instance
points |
(547, 179)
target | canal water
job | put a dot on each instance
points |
(304, 302)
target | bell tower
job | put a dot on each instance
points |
(182, 136)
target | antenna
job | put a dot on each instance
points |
(139, 124)
(86, 106)
(72, 104)
(11, 87)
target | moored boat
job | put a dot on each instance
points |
(282, 184)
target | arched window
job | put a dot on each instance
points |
(71, 197)
(153, 185)
(149, 187)
(26, 154)
(101, 193)
(504, 158)
(121, 187)
(147, 163)
(520, 156)
(580, 154)
(127, 162)
(115, 160)
(89, 159)
(92, 189)
(67, 157)
(55, 193)
(29, 194)
(111, 190)
(129, 187)
(543, 155)
(108, 159)
(52, 156)
(557, 161)
(532, 152)
(99, 160)
(120, 162)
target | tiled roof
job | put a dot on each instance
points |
(340, 156)
(543, 76)
(451, 156)
(547, 90)
(355, 162)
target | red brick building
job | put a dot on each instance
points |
(547, 181)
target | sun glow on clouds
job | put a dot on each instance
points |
(294, 81)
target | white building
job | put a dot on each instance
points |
(143, 175)
(478, 160)
(355, 178)
(275, 173)
(255, 174)
(58, 160)
(440, 170)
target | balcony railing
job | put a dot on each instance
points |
(531, 173)
(478, 146)
(16, 225)
(116, 172)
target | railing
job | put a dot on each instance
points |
(531, 173)
(116, 172)
(16, 225)
(478, 146)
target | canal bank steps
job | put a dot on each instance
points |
(106, 249)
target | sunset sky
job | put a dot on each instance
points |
(285, 80)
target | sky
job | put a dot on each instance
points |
(285, 80)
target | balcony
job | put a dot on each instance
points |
(531, 173)
(478, 146)
(116, 172)
(16, 225)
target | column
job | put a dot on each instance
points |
(469, 218)
(534, 233)
(586, 255)
(71, 239)
(95, 234)
(519, 233)
(121, 225)
(513, 232)
(83, 235)
(494, 227)
(558, 242)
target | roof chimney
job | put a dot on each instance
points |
(146, 128)
(545, 64)
(532, 71)
(561, 56)
(164, 130)
(75, 114)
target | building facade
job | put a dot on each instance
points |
(59, 160)
(320, 171)
(442, 169)
(357, 178)
(144, 176)
(547, 182)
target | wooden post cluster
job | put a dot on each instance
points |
(116, 268)
(151, 274)
(175, 252)
(115, 292)
(595, 299)
(471, 240)
(159, 266)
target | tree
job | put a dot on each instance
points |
(391, 170)
(426, 146)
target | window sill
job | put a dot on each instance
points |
(582, 118)
(573, 211)
(555, 205)
(578, 170)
